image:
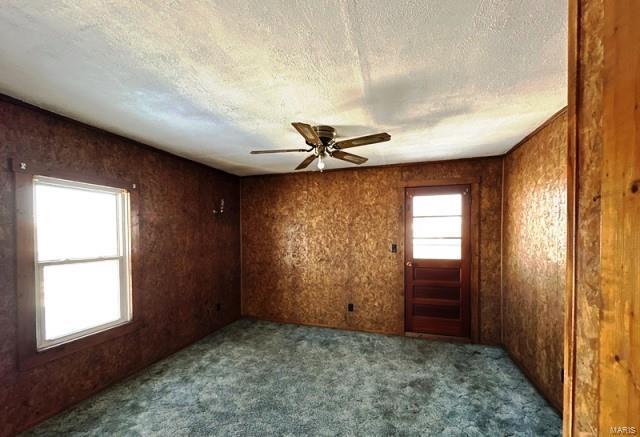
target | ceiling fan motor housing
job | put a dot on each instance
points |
(326, 133)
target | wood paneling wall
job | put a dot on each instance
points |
(619, 363)
(534, 248)
(314, 242)
(586, 62)
(603, 336)
(190, 260)
(589, 165)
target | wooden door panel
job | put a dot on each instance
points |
(437, 290)
(436, 310)
(438, 326)
(441, 274)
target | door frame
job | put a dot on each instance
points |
(474, 280)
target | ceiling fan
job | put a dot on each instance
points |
(321, 142)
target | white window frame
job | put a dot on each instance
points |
(123, 210)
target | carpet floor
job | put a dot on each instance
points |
(256, 378)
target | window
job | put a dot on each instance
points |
(437, 226)
(82, 259)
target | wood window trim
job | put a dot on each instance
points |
(474, 289)
(28, 354)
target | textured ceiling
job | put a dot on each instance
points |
(212, 80)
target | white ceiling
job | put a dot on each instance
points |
(211, 80)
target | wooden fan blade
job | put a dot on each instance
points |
(308, 160)
(362, 141)
(349, 157)
(258, 152)
(308, 133)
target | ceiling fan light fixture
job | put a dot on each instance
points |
(320, 140)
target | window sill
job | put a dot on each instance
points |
(31, 359)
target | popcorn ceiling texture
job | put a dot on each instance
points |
(189, 261)
(534, 255)
(312, 243)
(211, 80)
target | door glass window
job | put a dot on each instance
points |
(437, 226)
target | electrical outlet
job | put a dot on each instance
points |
(394, 248)
(350, 307)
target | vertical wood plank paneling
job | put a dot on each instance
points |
(619, 363)
(606, 392)
(585, 108)
(568, 395)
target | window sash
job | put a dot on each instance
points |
(432, 236)
(123, 211)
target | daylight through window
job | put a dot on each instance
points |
(83, 283)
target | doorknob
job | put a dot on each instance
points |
(409, 263)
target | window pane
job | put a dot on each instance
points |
(75, 223)
(80, 296)
(426, 248)
(441, 204)
(428, 227)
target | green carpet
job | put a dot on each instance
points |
(258, 379)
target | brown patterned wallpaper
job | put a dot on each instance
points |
(190, 260)
(534, 255)
(313, 242)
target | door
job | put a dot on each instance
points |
(437, 260)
